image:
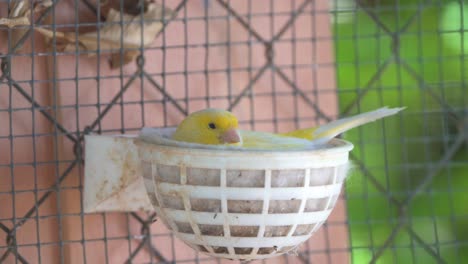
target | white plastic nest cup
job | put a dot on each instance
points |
(240, 204)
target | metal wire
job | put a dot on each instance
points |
(269, 41)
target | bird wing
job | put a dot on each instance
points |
(270, 141)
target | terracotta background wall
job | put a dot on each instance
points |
(57, 230)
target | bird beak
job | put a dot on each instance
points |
(230, 136)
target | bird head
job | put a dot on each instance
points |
(209, 126)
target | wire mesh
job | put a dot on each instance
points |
(269, 62)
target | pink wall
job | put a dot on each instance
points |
(49, 148)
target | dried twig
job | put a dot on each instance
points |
(20, 12)
(120, 32)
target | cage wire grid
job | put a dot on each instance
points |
(306, 103)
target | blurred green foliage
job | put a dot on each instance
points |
(426, 70)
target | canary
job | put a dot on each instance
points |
(220, 127)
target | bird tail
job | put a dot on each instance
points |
(328, 131)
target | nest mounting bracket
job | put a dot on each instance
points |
(112, 176)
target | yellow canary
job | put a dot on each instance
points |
(219, 127)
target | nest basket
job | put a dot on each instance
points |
(243, 204)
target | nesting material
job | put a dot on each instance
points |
(241, 204)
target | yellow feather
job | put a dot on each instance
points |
(306, 133)
(264, 140)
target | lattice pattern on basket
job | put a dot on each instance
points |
(243, 214)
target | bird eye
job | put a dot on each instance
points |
(212, 125)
